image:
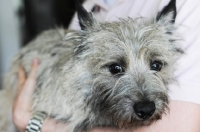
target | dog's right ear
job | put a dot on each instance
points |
(168, 13)
(85, 18)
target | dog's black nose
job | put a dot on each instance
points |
(144, 110)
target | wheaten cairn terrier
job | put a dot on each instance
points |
(108, 74)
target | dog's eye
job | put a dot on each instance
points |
(115, 68)
(156, 65)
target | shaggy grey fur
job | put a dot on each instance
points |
(76, 82)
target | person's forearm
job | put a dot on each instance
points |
(182, 117)
(50, 125)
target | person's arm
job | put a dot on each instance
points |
(182, 117)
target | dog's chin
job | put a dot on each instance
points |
(135, 122)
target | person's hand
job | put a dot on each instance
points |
(22, 104)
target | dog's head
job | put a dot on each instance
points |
(128, 65)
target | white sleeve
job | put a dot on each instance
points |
(188, 70)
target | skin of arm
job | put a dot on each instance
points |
(182, 117)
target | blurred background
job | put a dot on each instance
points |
(22, 20)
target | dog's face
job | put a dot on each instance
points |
(130, 63)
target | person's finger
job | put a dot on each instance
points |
(31, 80)
(33, 72)
(29, 87)
(21, 75)
(21, 78)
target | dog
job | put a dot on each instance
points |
(107, 74)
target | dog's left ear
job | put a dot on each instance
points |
(86, 19)
(168, 12)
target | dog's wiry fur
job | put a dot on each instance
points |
(74, 84)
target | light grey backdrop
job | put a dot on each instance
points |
(9, 33)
